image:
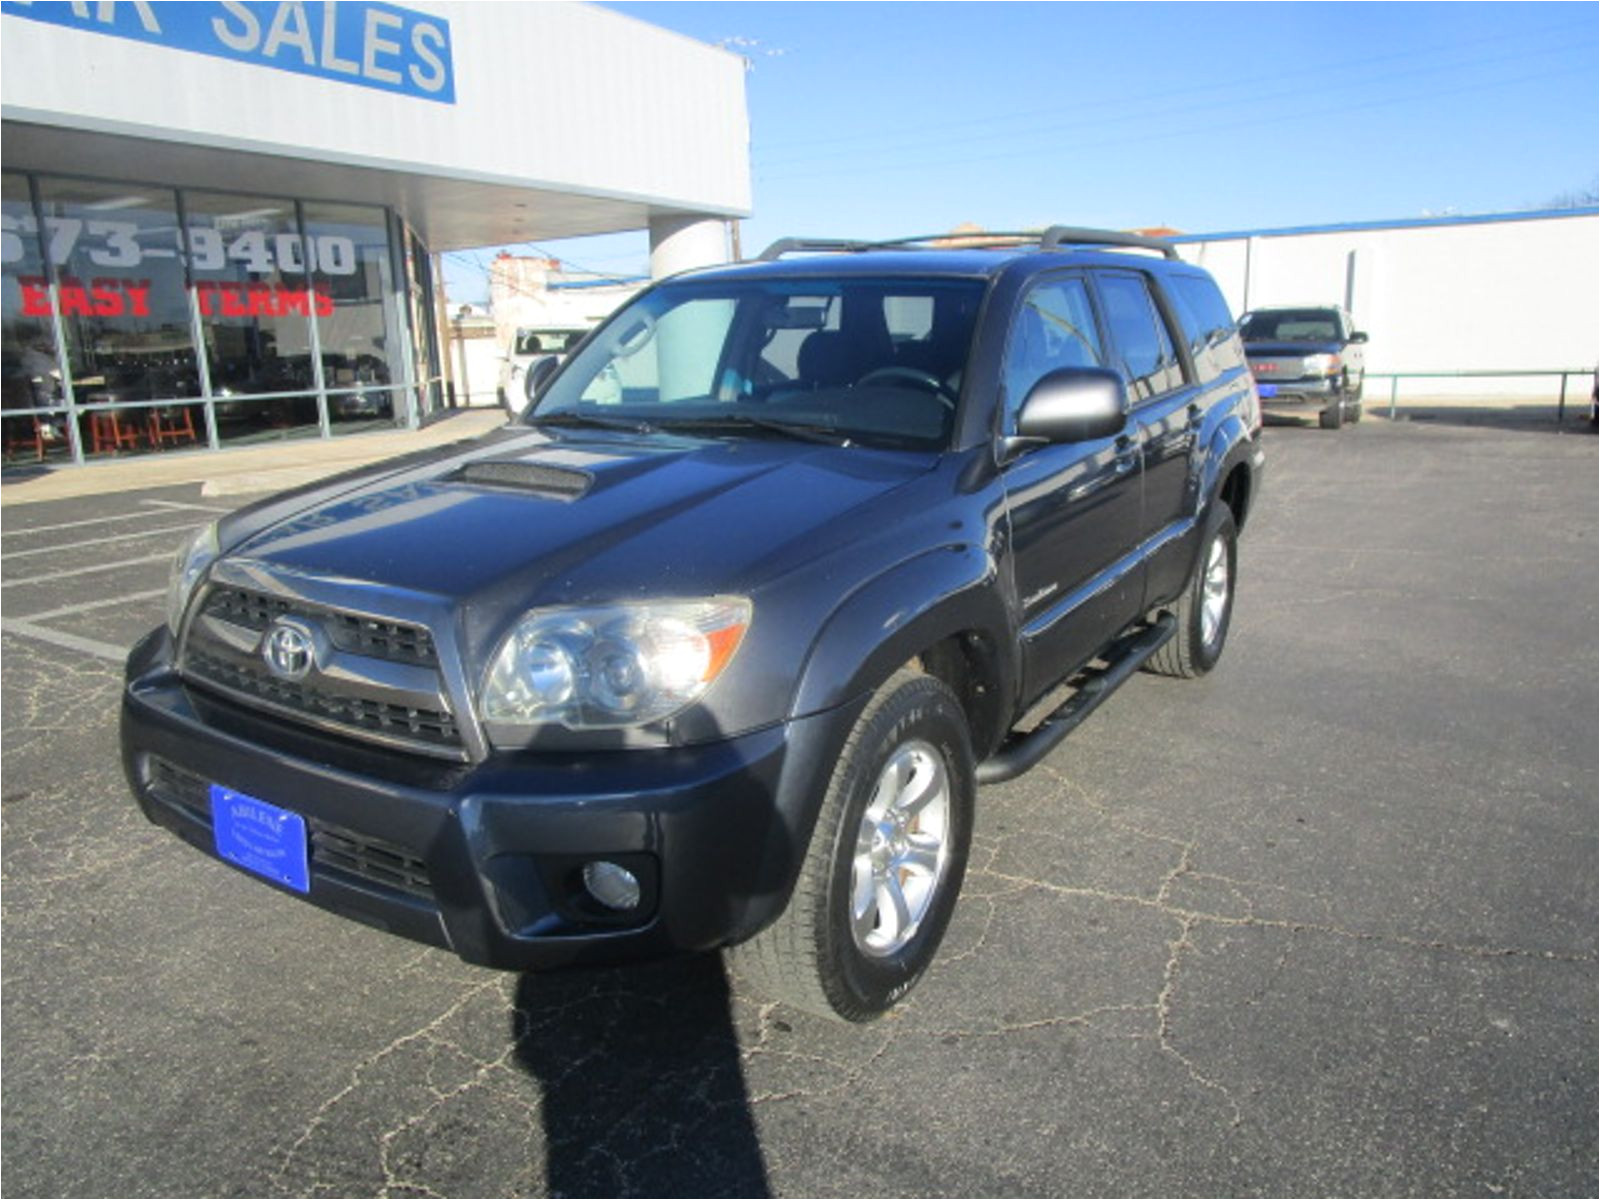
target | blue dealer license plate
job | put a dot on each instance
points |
(1266, 390)
(261, 837)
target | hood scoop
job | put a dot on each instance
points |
(557, 483)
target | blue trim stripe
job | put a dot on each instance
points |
(1414, 223)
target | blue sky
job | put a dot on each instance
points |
(887, 119)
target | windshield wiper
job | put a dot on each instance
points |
(799, 430)
(584, 419)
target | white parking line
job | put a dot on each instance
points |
(68, 610)
(120, 537)
(129, 516)
(210, 508)
(53, 575)
(167, 505)
(70, 641)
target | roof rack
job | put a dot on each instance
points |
(1057, 237)
(1060, 236)
(809, 245)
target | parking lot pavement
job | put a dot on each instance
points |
(1321, 923)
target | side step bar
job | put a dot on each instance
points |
(1020, 752)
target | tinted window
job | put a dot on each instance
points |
(1148, 360)
(1054, 329)
(1207, 324)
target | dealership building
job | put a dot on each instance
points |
(222, 220)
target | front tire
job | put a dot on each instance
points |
(1332, 417)
(885, 864)
(1205, 609)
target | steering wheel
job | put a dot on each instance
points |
(912, 375)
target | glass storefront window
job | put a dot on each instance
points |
(257, 302)
(290, 314)
(124, 306)
(245, 420)
(352, 268)
(30, 374)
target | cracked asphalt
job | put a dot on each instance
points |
(1321, 923)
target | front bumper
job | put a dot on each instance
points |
(486, 859)
(1276, 393)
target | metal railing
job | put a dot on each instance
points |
(1394, 378)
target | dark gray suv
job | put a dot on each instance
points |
(715, 645)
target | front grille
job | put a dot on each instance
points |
(334, 848)
(433, 727)
(394, 641)
(370, 859)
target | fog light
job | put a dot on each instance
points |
(613, 886)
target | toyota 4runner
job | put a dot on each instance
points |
(715, 645)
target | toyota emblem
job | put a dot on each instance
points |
(289, 648)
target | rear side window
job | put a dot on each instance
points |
(1207, 324)
(1147, 358)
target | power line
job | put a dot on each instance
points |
(1033, 132)
(1209, 127)
(1081, 105)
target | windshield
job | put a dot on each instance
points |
(875, 361)
(1292, 325)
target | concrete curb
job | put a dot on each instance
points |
(242, 471)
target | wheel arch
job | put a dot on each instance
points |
(940, 612)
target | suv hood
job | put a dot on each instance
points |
(556, 516)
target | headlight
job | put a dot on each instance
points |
(1320, 364)
(194, 556)
(612, 667)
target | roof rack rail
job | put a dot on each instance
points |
(1060, 236)
(1057, 237)
(804, 245)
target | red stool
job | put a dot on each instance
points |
(24, 433)
(106, 428)
(171, 425)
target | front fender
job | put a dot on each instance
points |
(920, 602)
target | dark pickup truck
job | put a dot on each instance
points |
(714, 646)
(1307, 357)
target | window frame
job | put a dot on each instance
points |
(1158, 305)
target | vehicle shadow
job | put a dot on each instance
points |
(643, 1088)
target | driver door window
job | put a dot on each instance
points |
(1054, 329)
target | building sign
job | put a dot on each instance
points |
(359, 42)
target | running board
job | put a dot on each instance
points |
(1020, 752)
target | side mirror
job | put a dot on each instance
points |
(537, 375)
(1359, 338)
(1074, 404)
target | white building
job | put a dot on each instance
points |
(1515, 292)
(220, 219)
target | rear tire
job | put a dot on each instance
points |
(885, 864)
(1205, 609)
